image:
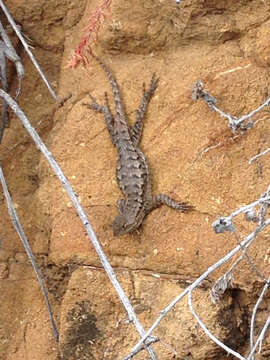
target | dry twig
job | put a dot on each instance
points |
(235, 123)
(18, 227)
(27, 49)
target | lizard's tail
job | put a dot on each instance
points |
(115, 88)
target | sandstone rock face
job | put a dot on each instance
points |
(226, 45)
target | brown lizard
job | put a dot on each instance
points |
(132, 171)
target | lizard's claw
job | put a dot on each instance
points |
(154, 82)
(184, 207)
(94, 105)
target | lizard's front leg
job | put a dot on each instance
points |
(106, 111)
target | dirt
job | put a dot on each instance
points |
(193, 156)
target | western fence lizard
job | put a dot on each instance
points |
(132, 171)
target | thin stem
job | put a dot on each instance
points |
(253, 317)
(27, 49)
(259, 155)
(17, 225)
(208, 333)
(260, 338)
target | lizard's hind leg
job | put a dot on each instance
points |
(161, 199)
(136, 130)
(105, 110)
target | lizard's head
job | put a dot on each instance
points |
(122, 226)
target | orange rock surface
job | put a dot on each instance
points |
(226, 45)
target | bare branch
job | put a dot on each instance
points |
(10, 53)
(4, 86)
(253, 317)
(260, 339)
(235, 123)
(27, 49)
(259, 155)
(226, 281)
(7, 51)
(223, 224)
(245, 254)
(208, 333)
(18, 227)
(144, 346)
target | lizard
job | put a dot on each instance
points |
(132, 172)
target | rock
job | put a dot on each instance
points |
(192, 155)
